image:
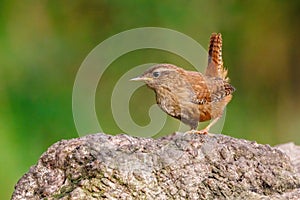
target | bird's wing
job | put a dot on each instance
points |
(215, 66)
(208, 89)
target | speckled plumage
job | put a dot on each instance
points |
(191, 96)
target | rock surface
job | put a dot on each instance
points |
(179, 166)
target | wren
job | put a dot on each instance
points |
(191, 96)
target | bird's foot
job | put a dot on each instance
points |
(201, 132)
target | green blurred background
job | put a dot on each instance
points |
(43, 44)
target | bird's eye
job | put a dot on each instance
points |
(156, 74)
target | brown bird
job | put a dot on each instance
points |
(191, 96)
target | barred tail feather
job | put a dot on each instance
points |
(215, 66)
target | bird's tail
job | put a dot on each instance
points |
(215, 66)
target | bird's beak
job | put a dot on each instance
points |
(140, 78)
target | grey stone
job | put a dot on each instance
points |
(178, 166)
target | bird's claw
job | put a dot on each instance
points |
(201, 132)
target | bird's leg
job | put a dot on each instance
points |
(206, 129)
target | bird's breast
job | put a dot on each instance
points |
(168, 101)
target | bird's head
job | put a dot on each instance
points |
(160, 75)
